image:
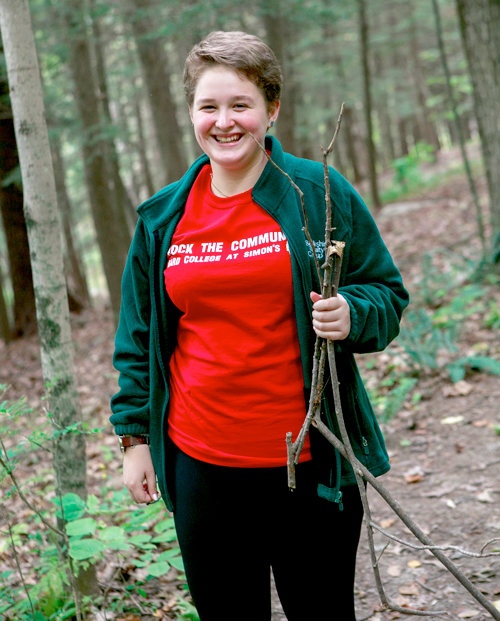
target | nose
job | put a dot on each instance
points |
(224, 120)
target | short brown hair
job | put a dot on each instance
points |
(240, 52)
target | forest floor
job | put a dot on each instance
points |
(443, 441)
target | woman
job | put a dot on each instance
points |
(219, 315)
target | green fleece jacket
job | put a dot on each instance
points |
(370, 282)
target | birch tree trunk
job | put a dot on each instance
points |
(480, 27)
(44, 237)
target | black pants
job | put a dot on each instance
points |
(233, 524)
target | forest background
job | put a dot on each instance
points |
(119, 130)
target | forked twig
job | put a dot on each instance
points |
(443, 548)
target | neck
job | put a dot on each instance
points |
(227, 183)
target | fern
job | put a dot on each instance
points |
(396, 397)
(485, 364)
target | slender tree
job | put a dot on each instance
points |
(45, 249)
(11, 207)
(123, 203)
(367, 100)
(459, 128)
(280, 34)
(75, 264)
(156, 71)
(110, 240)
(480, 28)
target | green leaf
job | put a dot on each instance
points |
(164, 525)
(73, 506)
(85, 549)
(158, 569)
(169, 535)
(112, 533)
(82, 527)
(178, 563)
(139, 539)
(168, 554)
(119, 544)
(92, 504)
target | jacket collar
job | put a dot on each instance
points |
(269, 191)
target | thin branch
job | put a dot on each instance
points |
(359, 468)
(14, 549)
(427, 588)
(337, 129)
(24, 499)
(301, 194)
(443, 548)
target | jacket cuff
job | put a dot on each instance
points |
(133, 429)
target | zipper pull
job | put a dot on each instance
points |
(366, 448)
(338, 500)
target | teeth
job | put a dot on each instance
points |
(228, 139)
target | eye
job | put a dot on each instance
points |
(240, 105)
(208, 107)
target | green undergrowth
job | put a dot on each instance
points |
(449, 307)
(104, 529)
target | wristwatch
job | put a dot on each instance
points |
(126, 441)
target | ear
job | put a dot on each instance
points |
(274, 110)
(191, 114)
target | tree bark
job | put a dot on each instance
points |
(367, 100)
(141, 144)
(45, 248)
(427, 130)
(480, 28)
(11, 205)
(156, 73)
(280, 39)
(113, 250)
(5, 329)
(76, 270)
(124, 207)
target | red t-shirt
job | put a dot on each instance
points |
(236, 382)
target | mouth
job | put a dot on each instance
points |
(227, 139)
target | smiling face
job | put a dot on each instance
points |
(226, 107)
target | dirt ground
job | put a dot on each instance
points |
(445, 472)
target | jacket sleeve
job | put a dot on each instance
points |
(130, 406)
(372, 286)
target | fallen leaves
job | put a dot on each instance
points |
(387, 523)
(394, 571)
(410, 589)
(469, 614)
(414, 564)
(485, 496)
(451, 420)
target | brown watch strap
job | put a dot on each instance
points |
(126, 441)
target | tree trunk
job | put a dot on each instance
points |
(76, 272)
(111, 244)
(480, 27)
(141, 143)
(458, 127)
(45, 247)
(124, 207)
(157, 78)
(280, 39)
(11, 204)
(427, 130)
(367, 100)
(5, 329)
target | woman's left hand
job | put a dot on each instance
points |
(331, 317)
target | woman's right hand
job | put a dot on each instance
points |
(139, 474)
